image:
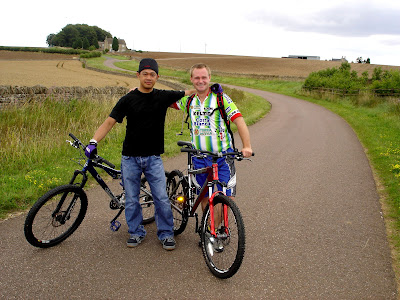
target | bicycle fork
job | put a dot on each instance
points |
(211, 201)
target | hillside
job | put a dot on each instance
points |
(13, 65)
(247, 65)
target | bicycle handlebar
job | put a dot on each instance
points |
(238, 154)
(97, 158)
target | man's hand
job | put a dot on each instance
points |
(217, 88)
(91, 149)
(247, 152)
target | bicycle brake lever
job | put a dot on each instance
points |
(73, 144)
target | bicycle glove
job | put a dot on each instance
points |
(91, 149)
(217, 88)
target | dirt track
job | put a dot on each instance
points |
(313, 226)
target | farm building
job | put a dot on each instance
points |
(308, 57)
(343, 59)
(107, 44)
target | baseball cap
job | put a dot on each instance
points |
(148, 63)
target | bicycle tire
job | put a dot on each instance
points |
(146, 201)
(42, 228)
(177, 187)
(223, 254)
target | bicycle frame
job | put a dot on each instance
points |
(211, 181)
(90, 166)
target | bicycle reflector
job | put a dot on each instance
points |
(180, 199)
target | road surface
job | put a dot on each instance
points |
(314, 229)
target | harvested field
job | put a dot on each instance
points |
(246, 65)
(57, 73)
(27, 69)
(20, 55)
(32, 68)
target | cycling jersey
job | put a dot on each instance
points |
(208, 129)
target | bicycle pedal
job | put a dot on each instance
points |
(115, 225)
(114, 205)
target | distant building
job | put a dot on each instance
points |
(343, 59)
(107, 44)
(308, 57)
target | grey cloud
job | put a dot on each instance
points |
(360, 21)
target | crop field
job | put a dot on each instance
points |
(246, 65)
(30, 69)
(33, 68)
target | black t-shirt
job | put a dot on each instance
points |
(145, 115)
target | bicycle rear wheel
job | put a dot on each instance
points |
(55, 216)
(146, 201)
(224, 252)
(176, 187)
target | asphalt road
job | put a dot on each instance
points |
(313, 222)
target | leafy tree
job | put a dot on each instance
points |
(364, 77)
(49, 39)
(77, 44)
(361, 61)
(85, 43)
(73, 33)
(377, 74)
(95, 43)
(115, 44)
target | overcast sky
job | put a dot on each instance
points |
(329, 29)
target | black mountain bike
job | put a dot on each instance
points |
(222, 233)
(58, 213)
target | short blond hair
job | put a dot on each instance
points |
(200, 66)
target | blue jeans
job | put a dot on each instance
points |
(152, 166)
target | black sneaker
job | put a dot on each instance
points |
(134, 241)
(168, 243)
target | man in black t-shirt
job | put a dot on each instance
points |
(145, 109)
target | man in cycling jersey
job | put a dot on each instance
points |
(144, 109)
(208, 129)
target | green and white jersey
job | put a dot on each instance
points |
(208, 129)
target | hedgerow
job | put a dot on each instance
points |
(345, 79)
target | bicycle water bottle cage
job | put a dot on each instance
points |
(115, 225)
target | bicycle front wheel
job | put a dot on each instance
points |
(146, 201)
(224, 252)
(55, 216)
(176, 187)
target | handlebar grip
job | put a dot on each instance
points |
(73, 137)
(77, 140)
(188, 150)
(107, 162)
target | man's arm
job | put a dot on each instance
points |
(244, 136)
(189, 92)
(104, 128)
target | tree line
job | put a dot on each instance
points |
(78, 36)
